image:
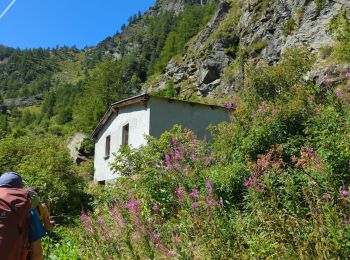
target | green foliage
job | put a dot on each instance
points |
(61, 244)
(329, 135)
(189, 23)
(253, 48)
(288, 26)
(339, 28)
(44, 163)
(271, 81)
(28, 72)
(320, 4)
(169, 91)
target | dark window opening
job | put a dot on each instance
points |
(108, 147)
(125, 137)
(103, 183)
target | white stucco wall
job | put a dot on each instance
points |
(164, 115)
(137, 116)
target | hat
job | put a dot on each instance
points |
(11, 180)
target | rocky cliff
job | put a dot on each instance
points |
(242, 32)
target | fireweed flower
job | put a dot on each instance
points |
(180, 193)
(100, 221)
(195, 205)
(310, 151)
(194, 194)
(326, 196)
(177, 155)
(209, 202)
(133, 204)
(121, 221)
(347, 74)
(155, 208)
(156, 239)
(345, 191)
(326, 81)
(168, 161)
(228, 106)
(83, 216)
(209, 186)
(174, 140)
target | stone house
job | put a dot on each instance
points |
(128, 121)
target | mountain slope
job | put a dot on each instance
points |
(242, 32)
(177, 48)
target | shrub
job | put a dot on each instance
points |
(270, 81)
(319, 5)
(339, 28)
(44, 163)
(288, 26)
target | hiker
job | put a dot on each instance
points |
(20, 227)
(41, 209)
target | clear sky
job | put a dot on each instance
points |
(48, 23)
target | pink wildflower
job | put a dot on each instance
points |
(310, 151)
(155, 208)
(83, 216)
(100, 221)
(345, 191)
(326, 196)
(209, 186)
(194, 194)
(177, 155)
(195, 205)
(133, 204)
(209, 202)
(180, 193)
(326, 81)
(168, 161)
(347, 74)
(174, 140)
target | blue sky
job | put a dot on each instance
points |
(48, 23)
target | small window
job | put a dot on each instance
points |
(125, 137)
(108, 147)
(102, 183)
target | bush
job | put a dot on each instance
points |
(288, 26)
(44, 163)
(339, 28)
(270, 81)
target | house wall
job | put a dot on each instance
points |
(164, 115)
(137, 116)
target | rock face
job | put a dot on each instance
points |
(200, 72)
(261, 32)
(20, 102)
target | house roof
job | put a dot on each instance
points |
(143, 99)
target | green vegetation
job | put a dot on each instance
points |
(44, 163)
(273, 182)
(320, 4)
(190, 21)
(288, 26)
(28, 72)
(169, 91)
(339, 28)
(255, 47)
